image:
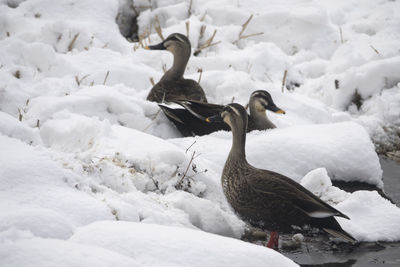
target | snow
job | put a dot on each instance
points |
(152, 245)
(81, 148)
(344, 149)
(356, 205)
(23, 249)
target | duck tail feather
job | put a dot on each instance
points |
(341, 234)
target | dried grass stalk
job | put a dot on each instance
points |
(244, 26)
(152, 81)
(72, 43)
(157, 27)
(201, 73)
(187, 28)
(105, 78)
(284, 80)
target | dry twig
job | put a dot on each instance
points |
(190, 9)
(284, 79)
(244, 26)
(187, 28)
(207, 44)
(20, 114)
(79, 81)
(376, 51)
(157, 27)
(72, 43)
(179, 184)
(152, 81)
(202, 30)
(105, 78)
(201, 73)
(187, 149)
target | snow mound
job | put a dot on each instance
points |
(344, 149)
(372, 217)
(23, 249)
(155, 245)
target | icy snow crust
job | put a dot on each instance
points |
(82, 149)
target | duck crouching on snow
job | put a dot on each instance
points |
(188, 116)
(265, 199)
(172, 85)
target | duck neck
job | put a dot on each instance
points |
(238, 152)
(260, 118)
(178, 67)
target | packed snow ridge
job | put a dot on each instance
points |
(92, 174)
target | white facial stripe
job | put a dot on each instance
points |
(262, 100)
(235, 110)
(259, 106)
(179, 38)
(256, 94)
(225, 118)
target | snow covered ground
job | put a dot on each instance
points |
(91, 175)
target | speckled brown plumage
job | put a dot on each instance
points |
(267, 199)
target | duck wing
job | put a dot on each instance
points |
(200, 109)
(268, 182)
(189, 117)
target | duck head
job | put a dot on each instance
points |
(261, 100)
(175, 43)
(234, 115)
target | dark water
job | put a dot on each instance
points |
(319, 253)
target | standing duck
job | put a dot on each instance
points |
(172, 85)
(266, 199)
(189, 116)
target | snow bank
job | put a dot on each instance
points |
(11, 127)
(23, 249)
(372, 217)
(154, 245)
(146, 170)
(344, 149)
(36, 194)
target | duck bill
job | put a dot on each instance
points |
(275, 109)
(159, 46)
(215, 118)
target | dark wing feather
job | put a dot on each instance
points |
(200, 109)
(300, 197)
(190, 119)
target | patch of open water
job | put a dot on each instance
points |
(319, 253)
